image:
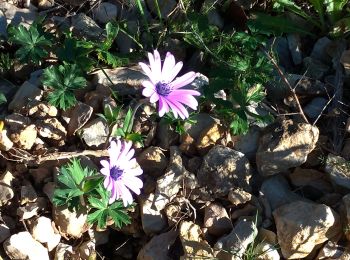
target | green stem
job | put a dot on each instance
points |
(137, 106)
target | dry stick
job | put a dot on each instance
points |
(280, 72)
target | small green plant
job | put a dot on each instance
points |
(33, 42)
(102, 211)
(178, 123)
(126, 131)
(6, 63)
(63, 80)
(110, 114)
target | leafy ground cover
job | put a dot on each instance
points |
(174, 129)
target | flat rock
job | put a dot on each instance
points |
(27, 91)
(70, 223)
(95, 133)
(224, 169)
(320, 48)
(165, 7)
(78, 116)
(5, 142)
(43, 232)
(25, 139)
(203, 121)
(301, 226)
(338, 170)
(23, 246)
(16, 16)
(248, 143)
(158, 247)
(266, 251)
(237, 241)
(105, 12)
(208, 137)
(238, 197)
(86, 27)
(53, 130)
(315, 68)
(6, 191)
(285, 145)
(194, 246)
(217, 220)
(4, 232)
(315, 107)
(294, 44)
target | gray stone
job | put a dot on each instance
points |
(294, 45)
(124, 42)
(238, 197)
(203, 121)
(315, 107)
(277, 192)
(338, 170)
(78, 116)
(315, 68)
(87, 250)
(95, 133)
(333, 251)
(126, 81)
(320, 48)
(217, 220)
(75, 2)
(5, 142)
(43, 232)
(266, 251)
(105, 12)
(222, 170)
(307, 86)
(23, 246)
(153, 161)
(215, 19)
(28, 194)
(6, 191)
(158, 247)
(70, 223)
(301, 226)
(165, 7)
(248, 143)
(153, 221)
(4, 232)
(243, 233)
(32, 209)
(53, 130)
(63, 252)
(3, 25)
(41, 110)
(24, 94)
(16, 16)
(85, 27)
(280, 46)
(285, 145)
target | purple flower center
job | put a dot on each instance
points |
(163, 89)
(116, 173)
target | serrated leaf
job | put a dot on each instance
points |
(90, 185)
(334, 8)
(96, 203)
(127, 125)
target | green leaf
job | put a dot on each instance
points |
(334, 9)
(63, 80)
(96, 203)
(32, 42)
(341, 27)
(274, 25)
(112, 59)
(90, 185)
(3, 99)
(127, 125)
(135, 138)
(239, 125)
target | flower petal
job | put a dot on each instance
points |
(105, 164)
(126, 195)
(191, 92)
(147, 92)
(157, 66)
(154, 98)
(105, 171)
(135, 171)
(183, 113)
(173, 108)
(163, 107)
(184, 80)
(114, 194)
(133, 183)
(107, 183)
(186, 99)
(149, 73)
(175, 71)
(168, 66)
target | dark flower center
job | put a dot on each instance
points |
(116, 173)
(163, 89)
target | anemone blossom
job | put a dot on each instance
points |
(121, 172)
(162, 87)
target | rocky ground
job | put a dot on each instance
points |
(279, 192)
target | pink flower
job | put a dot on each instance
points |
(162, 87)
(121, 171)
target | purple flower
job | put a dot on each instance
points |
(163, 88)
(121, 172)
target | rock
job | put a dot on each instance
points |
(26, 138)
(344, 60)
(308, 86)
(5, 142)
(17, 122)
(187, 145)
(78, 116)
(247, 210)
(280, 46)
(217, 220)
(3, 25)
(203, 121)
(285, 145)
(4, 232)
(49, 189)
(277, 192)
(169, 184)
(100, 237)
(43, 232)
(345, 153)
(126, 80)
(238, 197)
(315, 107)
(153, 161)
(215, 19)
(294, 45)
(87, 250)
(320, 52)
(124, 42)
(248, 143)
(165, 135)
(28, 194)
(266, 251)
(6, 191)
(85, 27)
(26, 92)
(53, 130)
(32, 209)
(267, 235)
(45, 4)
(338, 170)
(346, 213)
(310, 178)
(16, 16)
(23, 246)
(333, 251)
(41, 110)
(158, 247)
(208, 138)
(166, 7)
(152, 219)
(173, 213)
(63, 252)
(75, 2)
(70, 223)
(105, 12)
(224, 169)
(246, 5)
(95, 133)
(237, 241)
(301, 226)
(193, 244)
(330, 199)
(315, 68)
